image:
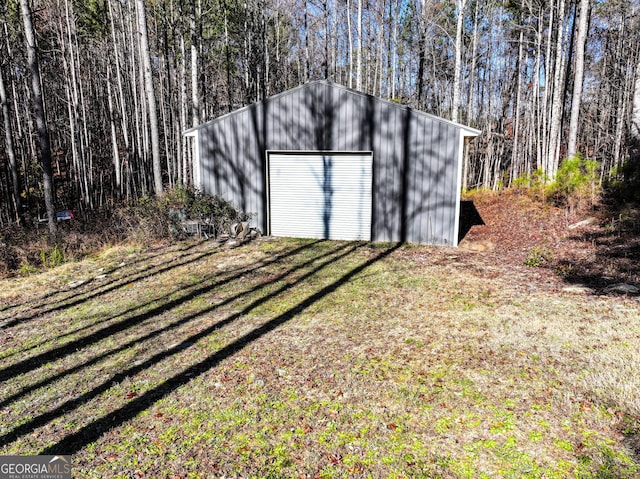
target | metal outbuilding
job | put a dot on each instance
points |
(324, 161)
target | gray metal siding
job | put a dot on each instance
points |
(415, 155)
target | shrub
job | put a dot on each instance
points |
(27, 269)
(159, 218)
(142, 222)
(576, 182)
(538, 257)
(19, 250)
(533, 183)
(624, 182)
(146, 221)
(6, 257)
(53, 258)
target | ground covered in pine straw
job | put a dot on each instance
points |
(302, 358)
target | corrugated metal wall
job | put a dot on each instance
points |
(415, 156)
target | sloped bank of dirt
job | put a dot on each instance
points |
(596, 248)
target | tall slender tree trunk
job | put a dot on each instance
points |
(537, 131)
(182, 174)
(71, 67)
(622, 103)
(359, 51)
(516, 152)
(394, 55)
(124, 122)
(40, 114)
(195, 96)
(114, 136)
(326, 62)
(472, 68)
(307, 49)
(583, 28)
(634, 127)
(472, 80)
(546, 100)
(551, 164)
(11, 153)
(422, 51)
(350, 40)
(151, 97)
(457, 80)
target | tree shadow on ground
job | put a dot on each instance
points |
(293, 267)
(129, 319)
(90, 287)
(93, 431)
(617, 253)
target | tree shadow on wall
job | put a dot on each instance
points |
(412, 200)
(469, 217)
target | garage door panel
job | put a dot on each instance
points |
(321, 195)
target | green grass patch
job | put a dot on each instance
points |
(286, 358)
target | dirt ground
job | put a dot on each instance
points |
(594, 247)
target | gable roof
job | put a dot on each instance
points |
(467, 130)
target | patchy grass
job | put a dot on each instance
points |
(299, 358)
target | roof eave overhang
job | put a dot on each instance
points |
(469, 132)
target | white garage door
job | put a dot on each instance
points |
(315, 195)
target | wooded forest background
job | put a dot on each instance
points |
(120, 80)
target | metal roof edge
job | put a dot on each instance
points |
(470, 132)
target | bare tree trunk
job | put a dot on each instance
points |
(11, 153)
(41, 120)
(114, 136)
(422, 51)
(124, 124)
(327, 36)
(394, 56)
(472, 69)
(151, 97)
(548, 92)
(634, 127)
(182, 174)
(71, 67)
(359, 51)
(195, 97)
(583, 27)
(551, 164)
(457, 81)
(307, 49)
(536, 148)
(622, 103)
(350, 39)
(516, 153)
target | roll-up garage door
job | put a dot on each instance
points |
(320, 195)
